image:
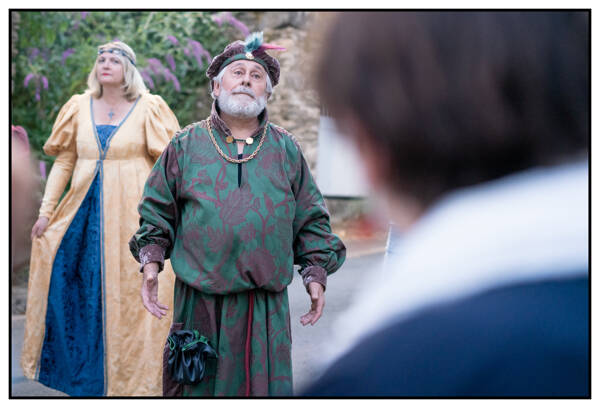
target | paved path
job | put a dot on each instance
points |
(306, 341)
(21, 386)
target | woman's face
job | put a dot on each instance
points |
(109, 69)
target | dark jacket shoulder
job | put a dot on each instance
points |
(527, 339)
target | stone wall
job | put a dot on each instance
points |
(295, 103)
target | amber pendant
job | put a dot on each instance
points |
(249, 141)
(229, 139)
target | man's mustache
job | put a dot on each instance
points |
(244, 90)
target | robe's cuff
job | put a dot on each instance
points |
(314, 273)
(152, 253)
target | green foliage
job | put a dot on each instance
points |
(59, 49)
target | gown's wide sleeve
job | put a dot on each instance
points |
(317, 250)
(160, 126)
(158, 211)
(61, 143)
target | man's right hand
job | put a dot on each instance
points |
(150, 291)
(39, 227)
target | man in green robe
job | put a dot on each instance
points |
(232, 203)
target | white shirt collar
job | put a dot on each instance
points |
(529, 226)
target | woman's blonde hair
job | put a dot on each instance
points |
(133, 84)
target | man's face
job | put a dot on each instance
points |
(243, 74)
(242, 91)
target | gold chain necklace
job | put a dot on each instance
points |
(229, 159)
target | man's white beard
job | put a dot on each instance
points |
(241, 106)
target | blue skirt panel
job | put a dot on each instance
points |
(72, 358)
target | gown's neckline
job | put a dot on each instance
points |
(103, 151)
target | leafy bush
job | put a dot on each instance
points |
(55, 51)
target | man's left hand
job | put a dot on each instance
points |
(317, 303)
(149, 291)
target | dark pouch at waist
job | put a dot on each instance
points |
(188, 352)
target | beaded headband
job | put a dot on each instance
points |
(116, 51)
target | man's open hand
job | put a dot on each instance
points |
(150, 291)
(317, 303)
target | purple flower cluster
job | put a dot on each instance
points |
(37, 53)
(173, 39)
(220, 17)
(226, 17)
(28, 78)
(33, 54)
(170, 61)
(147, 78)
(198, 51)
(83, 15)
(157, 68)
(40, 82)
(240, 26)
(193, 49)
(66, 54)
(169, 76)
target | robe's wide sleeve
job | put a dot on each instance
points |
(160, 126)
(61, 143)
(317, 250)
(158, 211)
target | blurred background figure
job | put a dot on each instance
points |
(86, 333)
(23, 187)
(474, 129)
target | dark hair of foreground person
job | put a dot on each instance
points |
(451, 99)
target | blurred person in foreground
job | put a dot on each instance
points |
(22, 190)
(475, 128)
(86, 333)
(232, 203)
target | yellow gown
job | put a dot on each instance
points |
(133, 338)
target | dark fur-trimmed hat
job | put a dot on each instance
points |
(252, 49)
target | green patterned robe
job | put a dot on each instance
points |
(233, 233)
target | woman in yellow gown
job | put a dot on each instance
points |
(86, 331)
